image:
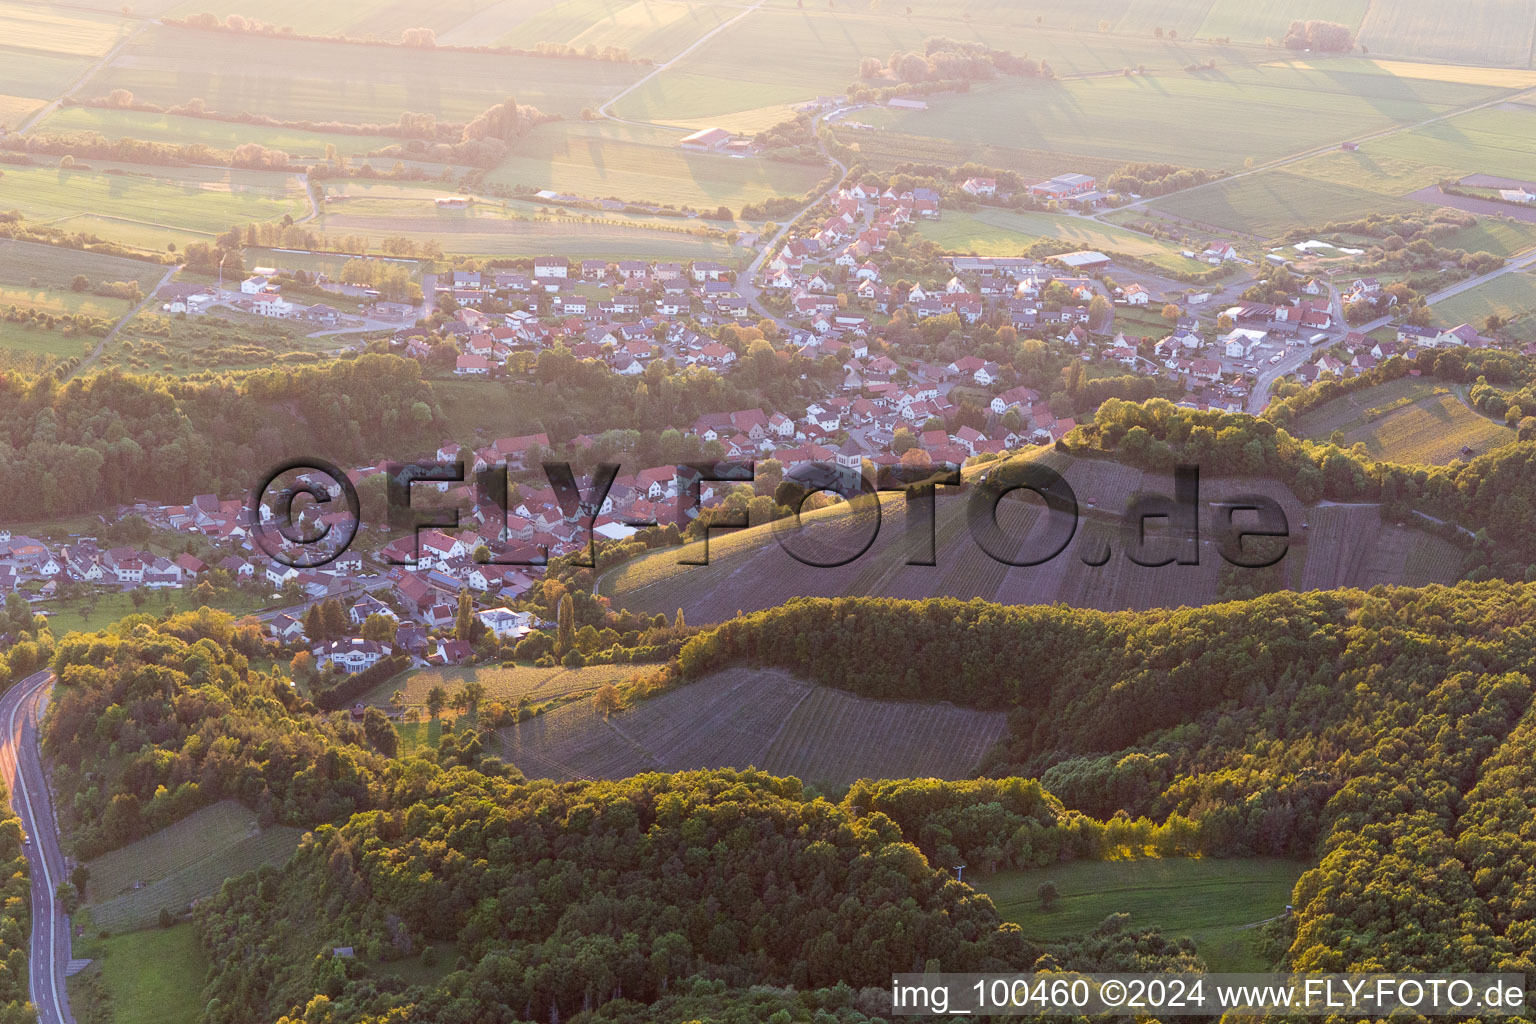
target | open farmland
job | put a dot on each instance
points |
(1218, 903)
(1511, 296)
(130, 886)
(1499, 32)
(321, 81)
(884, 149)
(1406, 420)
(150, 207)
(505, 684)
(524, 230)
(756, 718)
(56, 28)
(221, 135)
(153, 976)
(604, 158)
(749, 570)
(749, 75)
(1286, 108)
(990, 231)
(28, 80)
(39, 277)
(1270, 203)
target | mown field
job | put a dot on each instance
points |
(149, 977)
(40, 276)
(608, 159)
(1218, 903)
(753, 717)
(1512, 296)
(508, 685)
(1286, 107)
(1270, 203)
(990, 231)
(1407, 420)
(150, 207)
(59, 29)
(296, 80)
(750, 570)
(180, 863)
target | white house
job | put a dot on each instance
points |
(352, 655)
(506, 623)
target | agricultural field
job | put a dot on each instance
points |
(60, 30)
(748, 76)
(39, 277)
(884, 149)
(147, 208)
(1271, 203)
(221, 135)
(28, 80)
(1407, 420)
(653, 29)
(642, 164)
(1247, 22)
(1287, 107)
(760, 718)
(522, 229)
(1492, 33)
(508, 685)
(749, 570)
(1218, 903)
(148, 977)
(221, 339)
(1511, 296)
(129, 887)
(990, 231)
(320, 81)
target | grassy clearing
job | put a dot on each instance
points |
(101, 609)
(995, 232)
(296, 80)
(1286, 107)
(149, 208)
(644, 164)
(745, 717)
(1215, 902)
(1407, 420)
(1491, 33)
(180, 863)
(1509, 296)
(148, 977)
(508, 685)
(1500, 237)
(226, 135)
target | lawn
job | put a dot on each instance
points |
(1509, 295)
(180, 863)
(224, 135)
(1409, 421)
(106, 607)
(148, 977)
(990, 231)
(1217, 903)
(605, 158)
(1265, 111)
(320, 81)
(150, 207)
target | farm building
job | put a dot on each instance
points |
(1064, 185)
(902, 103)
(451, 202)
(1083, 259)
(706, 140)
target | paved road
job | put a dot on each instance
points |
(21, 763)
(1259, 397)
